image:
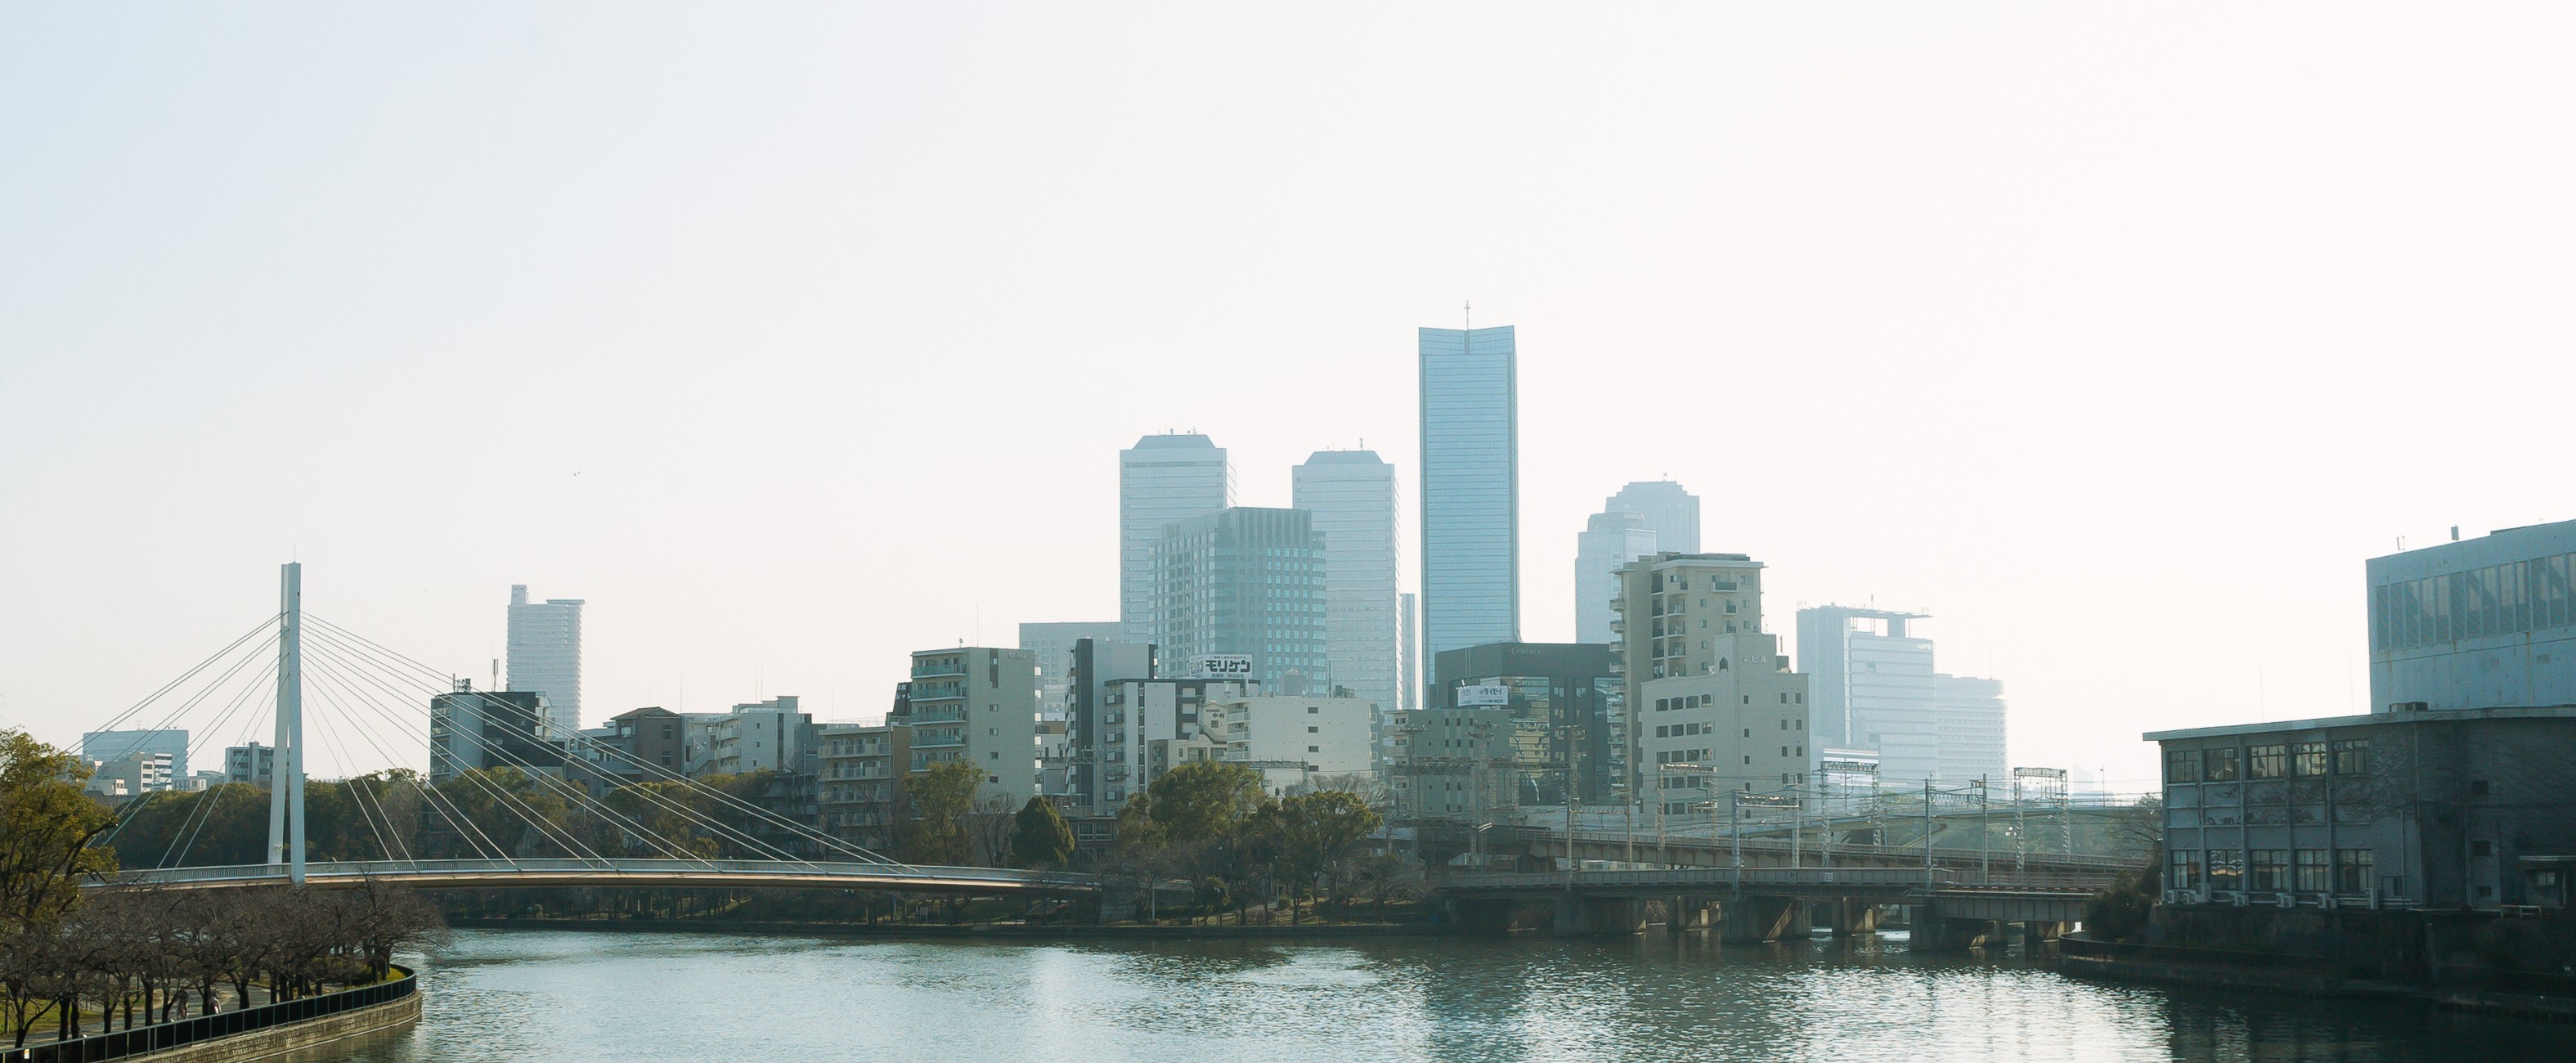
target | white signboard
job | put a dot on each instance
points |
(1222, 666)
(1483, 697)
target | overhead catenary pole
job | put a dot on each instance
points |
(286, 773)
(1927, 834)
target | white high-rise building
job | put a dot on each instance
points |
(1670, 512)
(1609, 541)
(1352, 496)
(1161, 480)
(1971, 726)
(545, 656)
(1877, 689)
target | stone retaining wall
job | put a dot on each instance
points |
(279, 1040)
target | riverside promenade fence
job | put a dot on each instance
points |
(160, 1037)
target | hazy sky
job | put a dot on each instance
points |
(796, 338)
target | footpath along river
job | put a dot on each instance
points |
(555, 995)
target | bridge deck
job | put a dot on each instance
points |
(489, 874)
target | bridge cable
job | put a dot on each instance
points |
(127, 814)
(263, 625)
(463, 825)
(579, 797)
(203, 811)
(505, 800)
(806, 832)
(357, 794)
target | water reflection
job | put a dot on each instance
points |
(575, 996)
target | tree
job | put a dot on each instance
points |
(1040, 838)
(938, 801)
(46, 827)
(1307, 835)
(1205, 800)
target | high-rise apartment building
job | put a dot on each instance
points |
(1711, 703)
(1352, 497)
(1149, 726)
(2485, 623)
(1872, 677)
(545, 656)
(979, 705)
(252, 764)
(1052, 644)
(1243, 581)
(1470, 489)
(1161, 480)
(1670, 512)
(1097, 664)
(118, 745)
(861, 785)
(1610, 540)
(1969, 727)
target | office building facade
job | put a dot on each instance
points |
(2484, 623)
(1669, 511)
(253, 764)
(545, 656)
(1096, 664)
(1243, 581)
(1353, 498)
(1610, 540)
(118, 745)
(1470, 488)
(1969, 731)
(484, 730)
(1711, 703)
(1162, 480)
(1874, 688)
(1052, 645)
(1562, 703)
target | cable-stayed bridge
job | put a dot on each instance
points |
(560, 811)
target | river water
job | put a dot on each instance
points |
(546, 995)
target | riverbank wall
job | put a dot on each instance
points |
(293, 1037)
(2289, 973)
(979, 931)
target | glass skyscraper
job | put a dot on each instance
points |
(1352, 495)
(1242, 581)
(1471, 556)
(1161, 480)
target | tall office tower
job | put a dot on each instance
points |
(118, 745)
(1243, 581)
(2486, 623)
(1410, 606)
(1874, 689)
(1352, 496)
(1053, 645)
(1161, 480)
(1670, 512)
(1609, 541)
(545, 656)
(1971, 726)
(1711, 704)
(1471, 553)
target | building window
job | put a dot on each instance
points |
(2219, 764)
(2352, 870)
(2308, 759)
(2182, 765)
(2269, 871)
(2186, 869)
(2313, 871)
(2267, 762)
(2226, 869)
(2352, 756)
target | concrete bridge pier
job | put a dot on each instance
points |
(1851, 918)
(1752, 920)
(2037, 935)
(1937, 934)
(1599, 916)
(1690, 913)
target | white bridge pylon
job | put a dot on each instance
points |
(286, 792)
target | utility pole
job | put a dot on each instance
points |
(1797, 829)
(286, 775)
(1735, 835)
(1985, 858)
(1927, 834)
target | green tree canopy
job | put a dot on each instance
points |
(939, 800)
(1205, 799)
(1040, 837)
(1310, 834)
(46, 826)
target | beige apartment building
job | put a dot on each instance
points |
(1296, 741)
(861, 784)
(1711, 703)
(976, 704)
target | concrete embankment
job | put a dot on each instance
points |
(980, 931)
(2268, 973)
(294, 1036)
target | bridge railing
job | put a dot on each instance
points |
(1704, 838)
(1706, 876)
(399, 870)
(168, 1035)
